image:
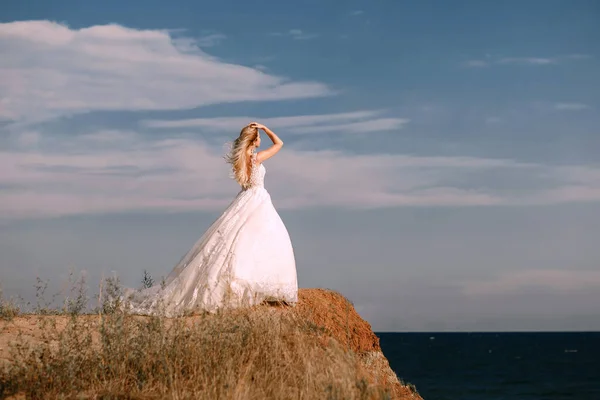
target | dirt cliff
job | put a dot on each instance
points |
(338, 317)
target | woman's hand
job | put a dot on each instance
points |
(258, 126)
(270, 152)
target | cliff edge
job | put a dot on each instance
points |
(338, 317)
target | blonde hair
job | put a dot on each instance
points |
(238, 156)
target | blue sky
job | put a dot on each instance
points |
(442, 159)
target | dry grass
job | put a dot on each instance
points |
(262, 352)
(8, 308)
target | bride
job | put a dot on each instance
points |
(244, 258)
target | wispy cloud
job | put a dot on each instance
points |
(571, 106)
(296, 34)
(579, 56)
(493, 120)
(54, 70)
(372, 125)
(120, 171)
(489, 60)
(351, 122)
(210, 40)
(527, 60)
(476, 63)
(189, 45)
(357, 12)
(261, 67)
(561, 106)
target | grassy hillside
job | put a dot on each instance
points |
(319, 349)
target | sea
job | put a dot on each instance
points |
(497, 366)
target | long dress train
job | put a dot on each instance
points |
(244, 258)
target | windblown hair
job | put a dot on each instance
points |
(238, 156)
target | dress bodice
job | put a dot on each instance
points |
(257, 175)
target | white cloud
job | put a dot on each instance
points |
(476, 63)
(556, 280)
(357, 12)
(297, 34)
(350, 122)
(211, 40)
(571, 106)
(54, 70)
(300, 35)
(232, 123)
(531, 61)
(579, 56)
(373, 125)
(111, 137)
(527, 60)
(115, 171)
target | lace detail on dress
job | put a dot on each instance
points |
(257, 174)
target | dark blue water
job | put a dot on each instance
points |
(494, 366)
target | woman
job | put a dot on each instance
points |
(244, 258)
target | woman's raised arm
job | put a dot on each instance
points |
(271, 151)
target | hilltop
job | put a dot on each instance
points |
(320, 348)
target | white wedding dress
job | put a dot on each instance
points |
(244, 258)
